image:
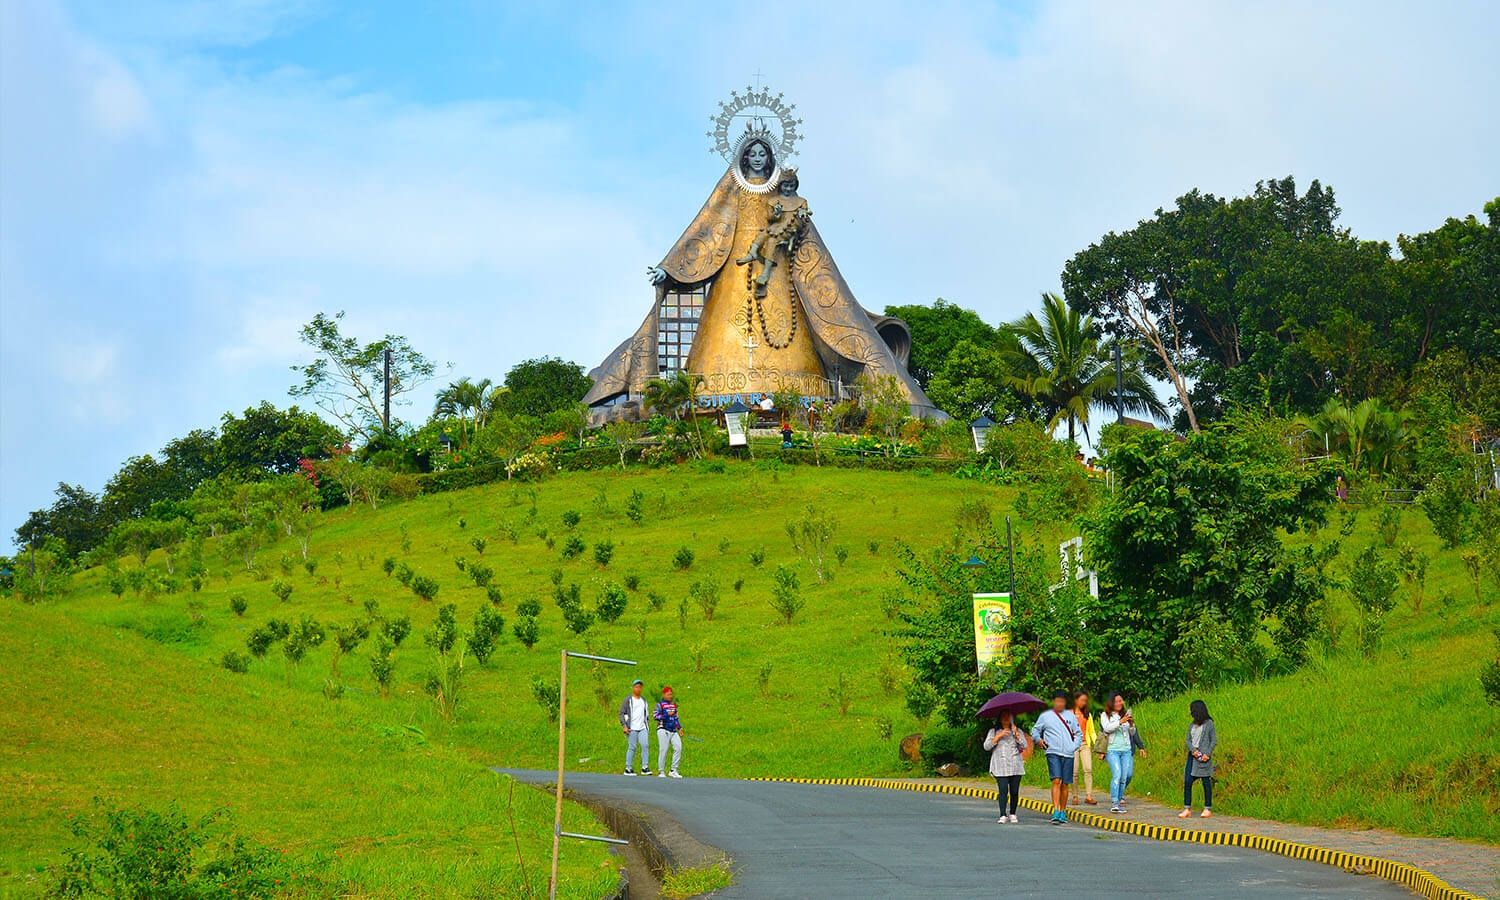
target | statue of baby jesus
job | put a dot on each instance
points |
(784, 225)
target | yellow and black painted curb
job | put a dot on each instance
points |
(1419, 880)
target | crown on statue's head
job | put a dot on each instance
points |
(756, 130)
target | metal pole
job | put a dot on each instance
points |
(387, 420)
(1119, 386)
(1010, 553)
(562, 737)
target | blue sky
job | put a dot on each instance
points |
(182, 184)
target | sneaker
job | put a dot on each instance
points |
(1013, 819)
(674, 775)
(1056, 820)
(630, 773)
(661, 774)
(1115, 808)
(1123, 810)
(1002, 820)
(646, 772)
(1062, 817)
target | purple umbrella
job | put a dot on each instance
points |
(1012, 702)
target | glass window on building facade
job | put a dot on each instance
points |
(677, 325)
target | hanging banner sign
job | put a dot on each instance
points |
(991, 629)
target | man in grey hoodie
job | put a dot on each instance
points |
(1061, 738)
(633, 719)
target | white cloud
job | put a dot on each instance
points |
(193, 210)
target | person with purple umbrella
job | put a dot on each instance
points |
(1009, 747)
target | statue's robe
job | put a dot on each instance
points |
(806, 327)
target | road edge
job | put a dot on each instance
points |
(1405, 874)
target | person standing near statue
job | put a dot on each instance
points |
(633, 723)
(668, 734)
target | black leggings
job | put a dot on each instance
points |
(1008, 786)
(1187, 787)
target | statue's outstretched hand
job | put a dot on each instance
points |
(656, 274)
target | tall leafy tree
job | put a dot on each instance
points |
(76, 521)
(973, 381)
(347, 380)
(1189, 543)
(269, 441)
(936, 331)
(540, 386)
(1057, 360)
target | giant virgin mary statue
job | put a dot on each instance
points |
(750, 300)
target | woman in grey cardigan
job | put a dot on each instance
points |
(1202, 741)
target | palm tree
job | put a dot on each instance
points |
(468, 401)
(1060, 363)
(1367, 435)
(676, 395)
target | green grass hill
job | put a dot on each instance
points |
(125, 697)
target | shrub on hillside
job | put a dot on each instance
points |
(526, 631)
(238, 605)
(612, 603)
(604, 551)
(705, 594)
(1372, 588)
(492, 593)
(383, 664)
(282, 590)
(481, 573)
(571, 518)
(1489, 676)
(424, 587)
(134, 852)
(786, 593)
(530, 606)
(488, 629)
(683, 560)
(574, 547)
(578, 619)
(548, 696)
(235, 661)
(262, 639)
(396, 629)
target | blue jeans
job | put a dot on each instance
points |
(1122, 769)
(640, 739)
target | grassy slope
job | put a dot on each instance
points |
(1347, 741)
(1403, 741)
(92, 710)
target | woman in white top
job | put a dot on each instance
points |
(1009, 746)
(1119, 725)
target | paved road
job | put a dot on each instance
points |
(825, 841)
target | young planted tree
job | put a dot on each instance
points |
(347, 379)
(786, 593)
(812, 536)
